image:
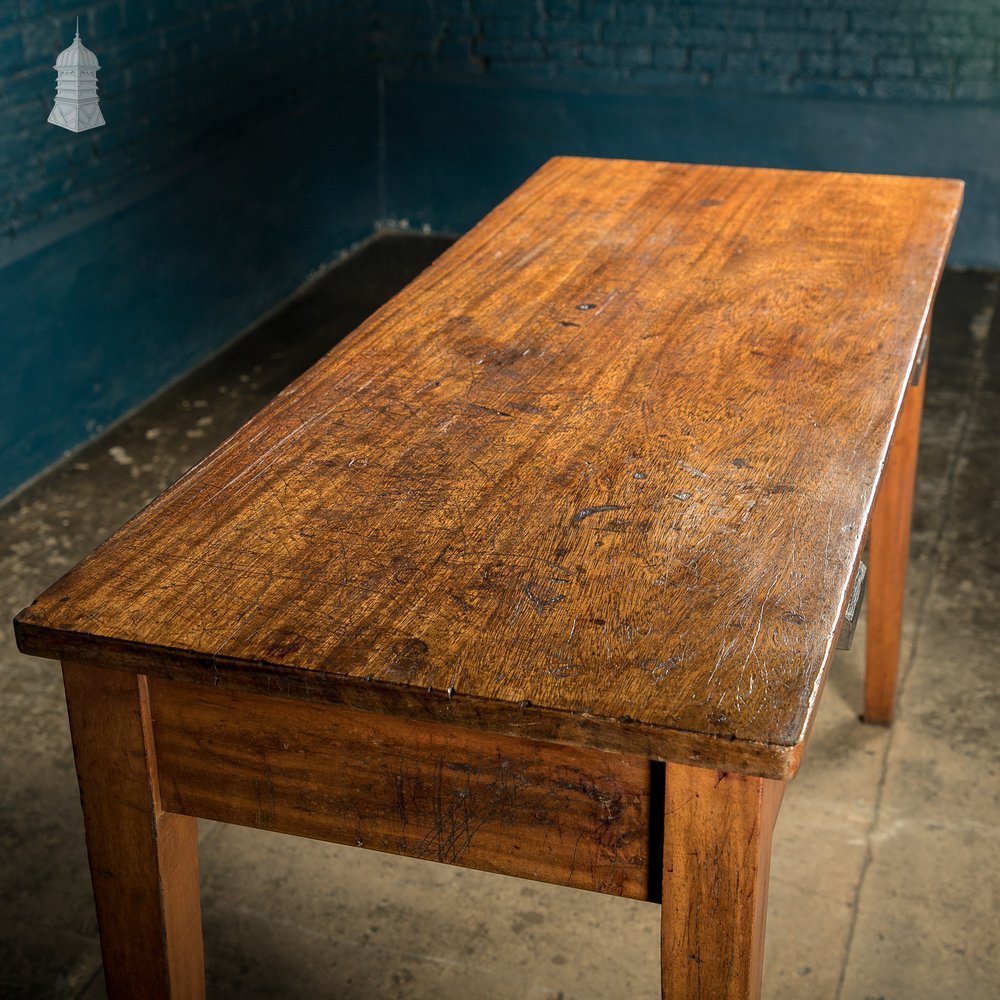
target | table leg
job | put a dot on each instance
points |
(717, 854)
(888, 553)
(143, 861)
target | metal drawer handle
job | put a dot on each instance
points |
(921, 358)
(853, 610)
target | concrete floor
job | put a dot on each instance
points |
(887, 850)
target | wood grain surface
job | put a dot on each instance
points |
(439, 793)
(143, 858)
(717, 857)
(600, 475)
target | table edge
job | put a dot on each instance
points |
(622, 735)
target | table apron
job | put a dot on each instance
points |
(536, 810)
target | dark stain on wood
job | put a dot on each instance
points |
(582, 515)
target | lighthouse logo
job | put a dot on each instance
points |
(76, 106)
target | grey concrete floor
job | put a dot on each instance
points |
(887, 850)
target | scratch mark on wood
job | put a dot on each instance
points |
(582, 515)
(542, 601)
(692, 470)
(489, 409)
(465, 605)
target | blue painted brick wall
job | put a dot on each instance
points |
(920, 50)
(175, 75)
(478, 93)
(240, 154)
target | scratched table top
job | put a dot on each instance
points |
(601, 475)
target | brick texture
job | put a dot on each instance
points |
(176, 75)
(921, 50)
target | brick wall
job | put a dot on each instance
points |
(176, 74)
(923, 50)
(239, 156)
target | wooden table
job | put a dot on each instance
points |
(539, 572)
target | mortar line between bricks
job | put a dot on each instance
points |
(972, 400)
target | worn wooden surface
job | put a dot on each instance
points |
(717, 855)
(889, 550)
(143, 859)
(441, 793)
(600, 475)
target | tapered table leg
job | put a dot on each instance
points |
(888, 554)
(143, 861)
(717, 854)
